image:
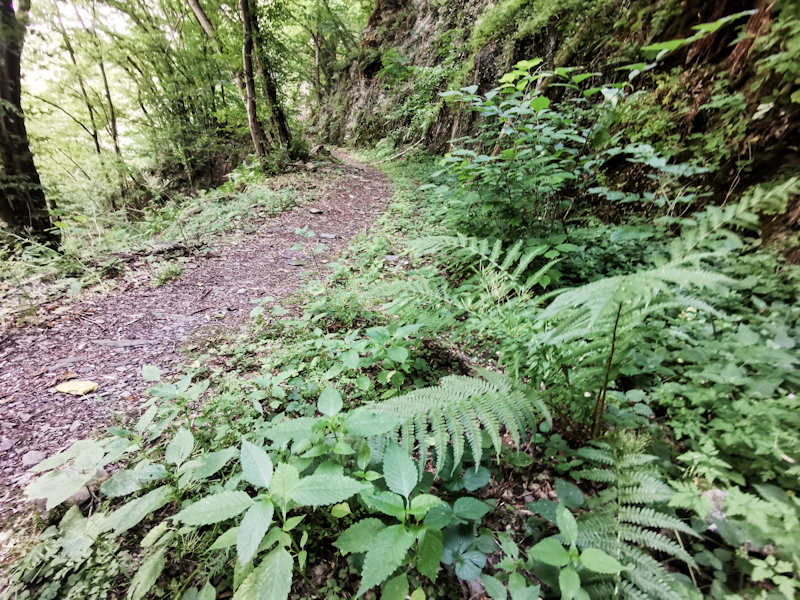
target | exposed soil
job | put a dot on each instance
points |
(107, 339)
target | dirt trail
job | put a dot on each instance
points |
(107, 339)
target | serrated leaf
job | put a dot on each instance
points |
(129, 481)
(147, 574)
(216, 508)
(252, 529)
(551, 552)
(212, 462)
(133, 512)
(422, 503)
(145, 420)
(226, 540)
(359, 536)
(293, 522)
(569, 582)
(330, 401)
(396, 588)
(399, 470)
(384, 555)
(323, 489)
(274, 576)
(567, 524)
(429, 555)
(57, 486)
(284, 480)
(179, 447)
(600, 562)
(494, 587)
(390, 504)
(256, 465)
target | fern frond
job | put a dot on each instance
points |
(457, 411)
(649, 517)
(596, 455)
(654, 541)
(635, 460)
(599, 475)
(651, 491)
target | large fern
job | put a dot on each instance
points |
(459, 409)
(626, 521)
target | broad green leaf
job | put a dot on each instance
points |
(600, 562)
(179, 447)
(244, 582)
(129, 481)
(256, 465)
(551, 552)
(284, 481)
(421, 504)
(212, 462)
(147, 574)
(569, 494)
(214, 509)
(208, 592)
(145, 420)
(396, 588)
(418, 594)
(369, 423)
(350, 359)
(226, 540)
(133, 512)
(57, 486)
(252, 529)
(387, 551)
(154, 534)
(569, 582)
(567, 524)
(359, 536)
(470, 509)
(390, 504)
(151, 373)
(399, 470)
(293, 522)
(398, 354)
(494, 587)
(274, 576)
(341, 510)
(317, 490)
(439, 516)
(429, 554)
(468, 565)
(330, 401)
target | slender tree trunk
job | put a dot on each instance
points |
(271, 90)
(208, 27)
(22, 200)
(70, 50)
(247, 61)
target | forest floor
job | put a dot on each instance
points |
(106, 339)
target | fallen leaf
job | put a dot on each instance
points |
(77, 388)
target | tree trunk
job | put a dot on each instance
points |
(22, 201)
(268, 81)
(247, 60)
(208, 27)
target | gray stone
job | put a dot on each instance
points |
(315, 211)
(241, 291)
(391, 257)
(32, 458)
(79, 497)
(124, 343)
(328, 236)
(6, 444)
(25, 417)
(74, 427)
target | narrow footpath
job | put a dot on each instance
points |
(108, 339)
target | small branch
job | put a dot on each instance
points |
(403, 152)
